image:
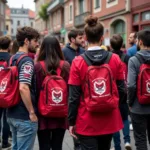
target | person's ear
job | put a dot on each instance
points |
(102, 39)
(26, 41)
(72, 40)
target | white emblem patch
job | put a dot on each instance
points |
(57, 96)
(99, 87)
(1, 68)
(148, 87)
(27, 69)
(3, 85)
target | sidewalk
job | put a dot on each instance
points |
(67, 144)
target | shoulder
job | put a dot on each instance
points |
(82, 50)
(66, 64)
(115, 57)
(65, 49)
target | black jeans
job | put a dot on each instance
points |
(5, 128)
(102, 142)
(51, 138)
(140, 127)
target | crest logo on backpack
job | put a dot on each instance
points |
(3, 85)
(1, 68)
(99, 86)
(148, 87)
(57, 96)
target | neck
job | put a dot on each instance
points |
(73, 46)
(4, 50)
(23, 49)
(92, 45)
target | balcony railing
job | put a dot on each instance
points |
(79, 20)
(54, 4)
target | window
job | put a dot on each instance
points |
(146, 16)
(18, 23)
(12, 31)
(97, 3)
(136, 18)
(81, 6)
(7, 27)
(118, 27)
(70, 18)
(11, 21)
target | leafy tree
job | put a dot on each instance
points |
(43, 14)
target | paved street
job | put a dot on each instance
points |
(68, 143)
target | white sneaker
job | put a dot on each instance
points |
(131, 127)
(128, 146)
(112, 148)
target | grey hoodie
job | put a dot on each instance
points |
(133, 70)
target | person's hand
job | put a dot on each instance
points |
(33, 117)
(71, 131)
(129, 108)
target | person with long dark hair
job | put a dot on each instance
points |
(51, 130)
(93, 97)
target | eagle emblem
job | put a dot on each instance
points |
(3, 85)
(148, 87)
(57, 96)
(99, 87)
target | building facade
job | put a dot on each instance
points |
(39, 23)
(140, 14)
(8, 20)
(57, 22)
(2, 17)
(117, 16)
(20, 17)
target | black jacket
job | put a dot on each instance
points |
(70, 53)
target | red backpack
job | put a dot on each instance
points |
(143, 81)
(100, 90)
(53, 95)
(9, 84)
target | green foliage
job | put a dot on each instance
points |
(43, 12)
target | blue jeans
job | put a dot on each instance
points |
(126, 132)
(23, 133)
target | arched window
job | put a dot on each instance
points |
(118, 27)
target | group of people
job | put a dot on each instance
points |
(102, 89)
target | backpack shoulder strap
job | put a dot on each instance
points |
(59, 69)
(18, 60)
(108, 58)
(86, 59)
(42, 63)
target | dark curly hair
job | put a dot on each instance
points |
(26, 32)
